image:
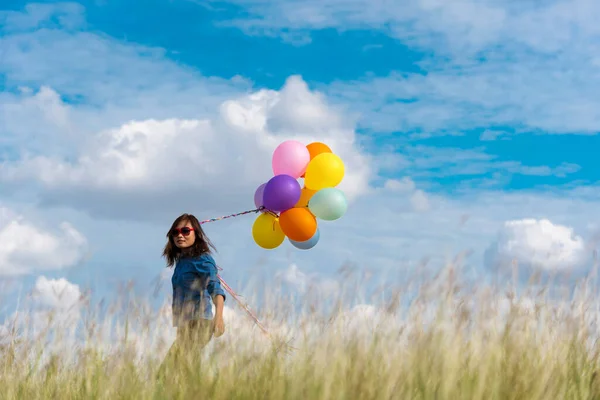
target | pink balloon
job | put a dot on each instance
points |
(290, 158)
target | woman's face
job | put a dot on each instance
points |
(179, 235)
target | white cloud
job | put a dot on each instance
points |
(539, 244)
(419, 201)
(219, 162)
(382, 231)
(530, 96)
(457, 26)
(66, 15)
(300, 110)
(55, 304)
(52, 312)
(402, 185)
(494, 63)
(490, 135)
(26, 247)
(37, 123)
(57, 293)
(406, 186)
(294, 277)
(136, 136)
(308, 283)
(49, 60)
(428, 162)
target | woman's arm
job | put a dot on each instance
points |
(219, 300)
(217, 294)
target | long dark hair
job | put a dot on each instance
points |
(201, 246)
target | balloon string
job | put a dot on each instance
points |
(244, 306)
(227, 288)
(286, 346)
(236, 296)
(236, 215)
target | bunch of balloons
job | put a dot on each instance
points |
(290, 209)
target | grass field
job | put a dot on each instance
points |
(446, 343)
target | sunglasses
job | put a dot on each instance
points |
(185, 231)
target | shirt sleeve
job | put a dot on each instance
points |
(214, 284)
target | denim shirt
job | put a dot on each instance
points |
(195, 281)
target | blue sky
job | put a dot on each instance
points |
(191, 33)
(484, 112)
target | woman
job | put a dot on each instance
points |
(194, 281)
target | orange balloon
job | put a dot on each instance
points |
(305, 196)
(316, 148)
(298, 224)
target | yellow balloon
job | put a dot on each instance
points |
(305, 196)
(324, 171)
(266, 231)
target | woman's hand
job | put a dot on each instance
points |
(219, 326)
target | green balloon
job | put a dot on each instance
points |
(328, 204)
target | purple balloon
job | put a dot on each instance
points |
(258, 196)
(281, 193)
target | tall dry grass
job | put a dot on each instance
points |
(438, 340)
